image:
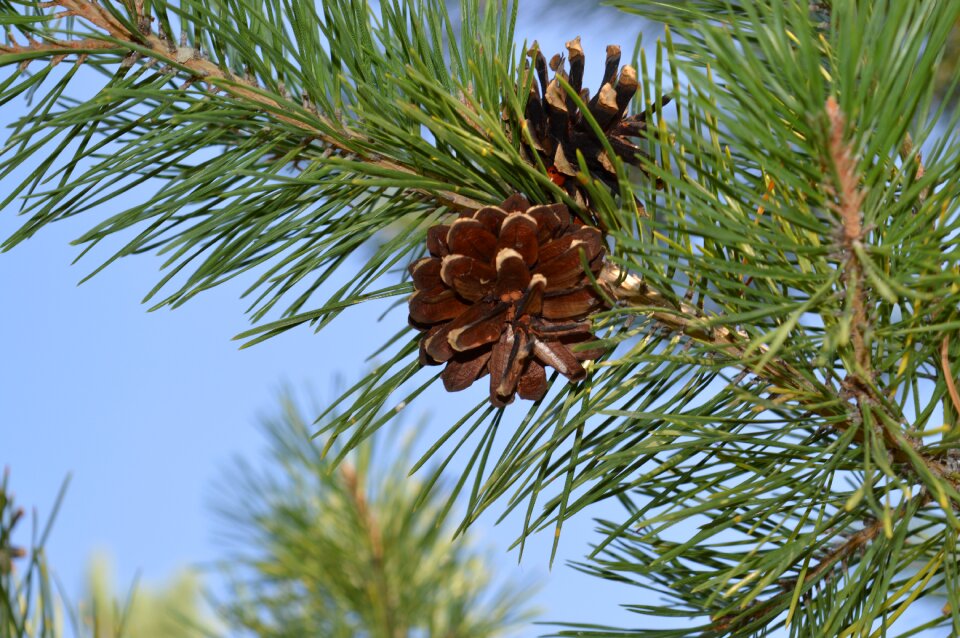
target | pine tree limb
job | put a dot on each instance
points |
(842, 554)
(848, 205)
(57, 49)
(147, 43)
(387, 607)
(688, 320)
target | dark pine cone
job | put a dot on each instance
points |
(559, 129)
(504, 292)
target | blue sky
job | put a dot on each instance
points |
(144, 410)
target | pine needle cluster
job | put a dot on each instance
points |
(351, 549)
(28, 601)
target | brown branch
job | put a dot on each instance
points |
(858, 541)
(849, 197)
(388, 616)
(188, 59)
(55, 47)
(842, 552)
(684, 318)
(849, 201)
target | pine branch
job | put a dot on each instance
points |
(56, 49)
(354, 549)
(841, 554)
(849, 201)
(777, 311)
(387, 608)
(687, 320)
(149, 44)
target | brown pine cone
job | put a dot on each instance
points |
(504, 292)
(558, 126)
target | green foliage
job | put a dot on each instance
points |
(171, 611)
(782, 334)
(815, 489)
(29, 607)
(351, 550)
(195, 125)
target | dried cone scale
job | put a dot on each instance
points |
(504, 293)
(558, 126)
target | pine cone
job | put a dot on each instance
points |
(504, 292)
(558, 126)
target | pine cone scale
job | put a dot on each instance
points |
(437, 240)
(435, 305)
(478, 326)
(589, 239)
(532, 302)
(469, 277)
(569, 305)
(577, 63)
(575, 295)
(513, 276)
(435, 346)
(604, 109)
(533, 382)
(548, 219)
(613, 61)
(491, 217)
(583, 354)
(426, 273)
(559, 357)
(519, 233)
(469, 237)
(540, 65)
(460, 375)
(557, 273)
(547, 329)
(506, 365)
(626, 89)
